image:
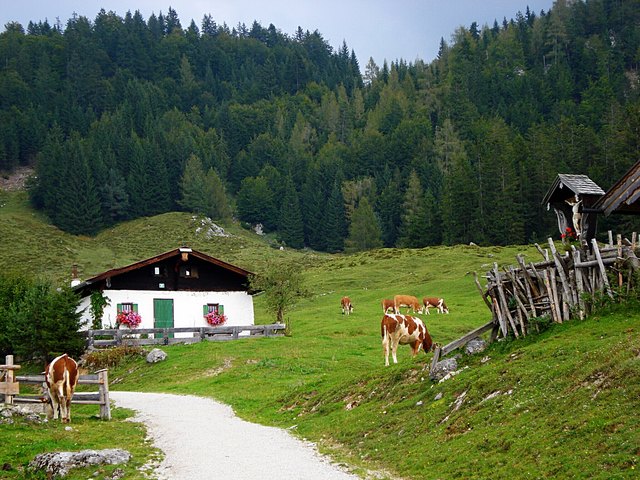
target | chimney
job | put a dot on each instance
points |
(74, 275)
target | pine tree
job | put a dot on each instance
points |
(79, 212)
(290, 226)
(414, 215)
(216, 203)
(335, 220)
(364, 230)
(192, 186)
(256, 203)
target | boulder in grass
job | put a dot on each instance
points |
(444, 367)
(474, 346)
(59, 463)
(156, 355)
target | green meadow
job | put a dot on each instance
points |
(559, 404)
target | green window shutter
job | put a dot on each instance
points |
(119, 308)
(220, 309)
(205, 309)
(135, 307)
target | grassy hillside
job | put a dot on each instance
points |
(562, 404)
(31, 246)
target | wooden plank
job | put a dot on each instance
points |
(556, 298)
(435, 359)
(568, 300)
(527, 277)
(481, 290)
(619, 239)
(462, 341)
(501, 320)
(10, 388)
(503, 302)
(603, 272)
(105, 404)
(579, 287)
(547, 285)
(544, 253)
(594, 263)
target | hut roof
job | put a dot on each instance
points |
(576, 184)
(623, 196)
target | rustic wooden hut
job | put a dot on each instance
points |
(622, 198)
(572, 198)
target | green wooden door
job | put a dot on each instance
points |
(162, 315)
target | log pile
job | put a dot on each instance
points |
(559, 286)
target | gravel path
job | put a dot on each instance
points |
(204, 439)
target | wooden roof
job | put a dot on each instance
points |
(158, 258)
(623, 196)
(575, 185)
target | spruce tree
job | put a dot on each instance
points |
(216, 203)
(79, 212)
(290, 226)
(192, 186)
(364, 230)
(414, 215)
(334, 224)
(256, 203)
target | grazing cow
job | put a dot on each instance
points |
(406, 301)
(388, 304)
(438, 303)
(403, 329)
(61, 378)
(347, 306)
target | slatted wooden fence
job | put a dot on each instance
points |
(10, 387)
(555, 287)
(166, 336)
(559, 286)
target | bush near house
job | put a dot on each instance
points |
(38, 321)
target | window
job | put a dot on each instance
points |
(160, 272)
(213, 307)
(126, 307)
(187, 271)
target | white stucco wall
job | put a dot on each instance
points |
(187, 307)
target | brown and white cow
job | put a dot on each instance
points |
(402, 330)
(346, 305)
(388, 305)
(61, 378)
(406, 301)
(435, 302)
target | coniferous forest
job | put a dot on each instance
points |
(125, 117)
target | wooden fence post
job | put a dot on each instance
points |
(566, 288)
(9, 387)
(603, 271)
(579, 286)
(105, 406)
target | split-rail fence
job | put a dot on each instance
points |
(10, 387)
(167, 336)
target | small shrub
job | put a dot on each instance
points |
(540, 324)
(111, 357)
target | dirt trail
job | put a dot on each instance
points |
(204, 439)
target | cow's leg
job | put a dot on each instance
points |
(385, 349)
(394, 350)
(55, 404)
(63, 410)
(67, 414)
